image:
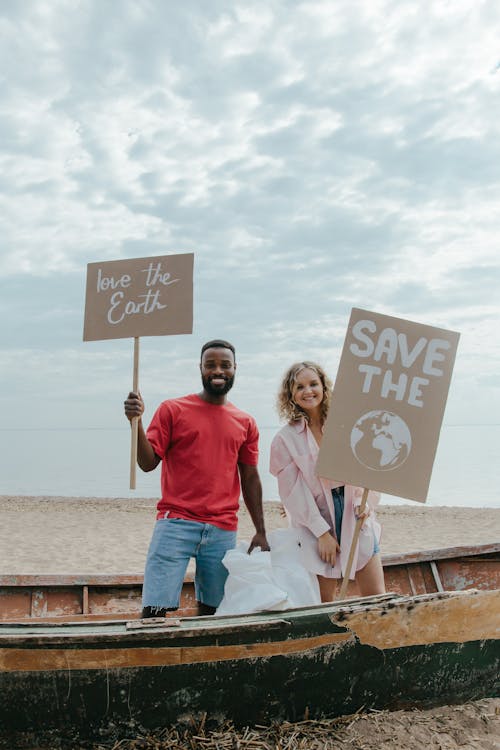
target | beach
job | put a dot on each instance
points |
(40, 535)
(43, 535)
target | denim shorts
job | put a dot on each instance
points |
(338, 506)
(173, 543)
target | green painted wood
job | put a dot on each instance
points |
(324, 681)
(328, 682)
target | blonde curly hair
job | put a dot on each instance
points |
(287, 408)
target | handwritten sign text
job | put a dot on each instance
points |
(139, 297)
(387, 404)
(392, 348)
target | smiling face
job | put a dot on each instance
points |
(308, 391)
(217, 371)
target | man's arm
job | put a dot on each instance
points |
(251, 489)
(146, 457)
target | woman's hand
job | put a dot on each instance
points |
(364, 515)
(328, 548)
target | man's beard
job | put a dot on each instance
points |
(213, 390)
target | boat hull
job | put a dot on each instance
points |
(99, 597)
(325, 661)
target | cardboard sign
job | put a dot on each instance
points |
(139, 297)
(387, 405)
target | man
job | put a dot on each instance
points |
(207, 447)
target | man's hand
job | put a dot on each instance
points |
(259, 540)
(134, 406)
(251, 489)
(146, 457)
(328, 548)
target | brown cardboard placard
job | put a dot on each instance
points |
(139, 297)
(388, 402)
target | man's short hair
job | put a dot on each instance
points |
(218, 344)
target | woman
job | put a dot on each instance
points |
(323, 512)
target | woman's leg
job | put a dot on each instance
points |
(370, 579)
(327, 588)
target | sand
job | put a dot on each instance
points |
(471, 726)
(41, 535)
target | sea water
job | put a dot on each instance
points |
(96, 463)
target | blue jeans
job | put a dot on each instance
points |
(173, 543)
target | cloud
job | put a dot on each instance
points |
(314, 157)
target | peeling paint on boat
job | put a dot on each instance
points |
(450, 617)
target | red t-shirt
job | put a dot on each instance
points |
(200, 445)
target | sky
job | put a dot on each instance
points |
(314, 156)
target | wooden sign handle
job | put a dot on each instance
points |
(135, 421)
(357, 529)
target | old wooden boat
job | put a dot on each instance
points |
(73, 651)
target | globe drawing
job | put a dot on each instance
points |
(381, 440)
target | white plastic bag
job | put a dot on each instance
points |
(274, 580)
(249, 586)
(301, 585)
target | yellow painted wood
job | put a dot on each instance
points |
(435, 618)
(43, 659)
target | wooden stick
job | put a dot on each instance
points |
(135, 421)
(357, 529)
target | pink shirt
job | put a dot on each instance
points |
(294, 453)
